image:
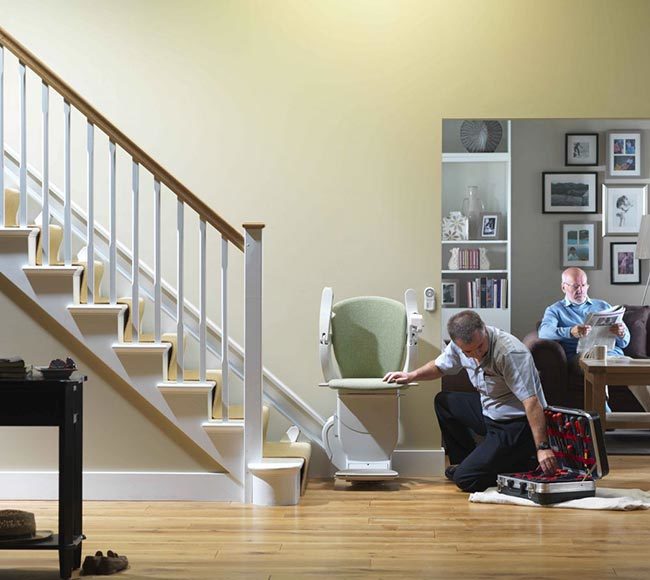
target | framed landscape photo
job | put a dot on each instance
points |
(490, 223)
(579, 244)
(625, 268)
(624, 154)
(566, 192)
(581, 149)
(450, 293)
(623, 208)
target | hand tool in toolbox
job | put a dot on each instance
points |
(576, 438)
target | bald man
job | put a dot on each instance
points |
(564, 322)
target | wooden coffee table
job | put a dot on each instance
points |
(599, 374)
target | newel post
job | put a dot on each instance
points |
(252, 351)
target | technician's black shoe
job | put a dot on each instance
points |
(449, 472)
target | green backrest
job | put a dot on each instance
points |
(369, 336)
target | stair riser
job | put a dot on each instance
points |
(106, 327)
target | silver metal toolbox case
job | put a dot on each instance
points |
(576, 438)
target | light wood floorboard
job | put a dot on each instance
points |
(406, 529)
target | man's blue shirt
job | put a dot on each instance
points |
(560, 317)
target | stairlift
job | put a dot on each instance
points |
(360, 340)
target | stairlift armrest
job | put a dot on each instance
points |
(325, 336)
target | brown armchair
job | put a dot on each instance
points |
(564, 387)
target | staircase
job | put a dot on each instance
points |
(186, 367)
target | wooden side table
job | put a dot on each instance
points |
(613, 371)
(37, 402)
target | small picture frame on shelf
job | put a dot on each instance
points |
(579, 244)
(581, 149)
(625, 268)
(449, 293)
(624, 153)
(490, 223)
(569, 192)
(623, 208)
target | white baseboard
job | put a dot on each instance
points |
(419, 462)
(115, 485)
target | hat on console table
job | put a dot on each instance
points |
(17, 526)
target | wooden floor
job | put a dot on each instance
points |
(414, 529)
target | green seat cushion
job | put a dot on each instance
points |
(369, 336)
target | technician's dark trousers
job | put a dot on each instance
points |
(508, 446)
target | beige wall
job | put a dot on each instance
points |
(323, 120)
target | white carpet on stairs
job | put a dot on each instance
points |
(607, 498)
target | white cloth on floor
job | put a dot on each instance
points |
(607, 498)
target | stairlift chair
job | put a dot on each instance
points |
(361, 339)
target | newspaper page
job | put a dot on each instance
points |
(600, 334)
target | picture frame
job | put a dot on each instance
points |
(623, 207)
(579, 244)
(489, 225)
(624, 149)
(449, 293)
(569, 192)
(581, 149)
(624, 266)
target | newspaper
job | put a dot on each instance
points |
(600, 334)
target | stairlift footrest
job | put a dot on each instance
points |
(366, 474)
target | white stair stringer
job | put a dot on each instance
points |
(277, 393)
(141, 365)
(191, 403)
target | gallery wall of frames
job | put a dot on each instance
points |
(579, 191)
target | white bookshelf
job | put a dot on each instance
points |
(491, 172)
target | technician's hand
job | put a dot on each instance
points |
(580, 330)
(399, 377)
(547, 461)
(618, 329)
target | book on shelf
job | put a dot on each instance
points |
(486, 292)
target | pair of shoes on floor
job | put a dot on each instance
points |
(101, 565)
(449, 472)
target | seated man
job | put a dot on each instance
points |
(564, 322)
(507, 409)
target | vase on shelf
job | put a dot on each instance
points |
(473, 207)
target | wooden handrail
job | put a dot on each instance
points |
(115, 135)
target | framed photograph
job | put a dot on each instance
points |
(565, 192)
(623, 207)
(490, 225)
(623, 153)
(581, 149)
(579, 244)
(450, 292)
(625, 268)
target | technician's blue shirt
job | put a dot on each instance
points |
(560, 317)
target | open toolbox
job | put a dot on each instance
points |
(576, 438)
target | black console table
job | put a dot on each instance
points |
(35, 401)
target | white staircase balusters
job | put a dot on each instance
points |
(202, 302)
(135, 240)
(67, 207)
(157, 272)
(112, 225)
(90, 230)
(45, 186)
(22, 70)
(225, 365)
(180, 243)
(2, 136)
(253, 350)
